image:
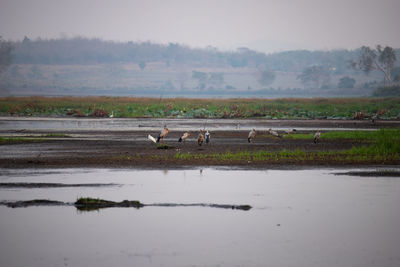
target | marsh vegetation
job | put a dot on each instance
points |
(128, 107)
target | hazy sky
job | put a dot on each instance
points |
(269, 25)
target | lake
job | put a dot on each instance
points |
(305, 217)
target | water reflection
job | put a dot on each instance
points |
(300, 218)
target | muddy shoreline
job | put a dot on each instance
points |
(119, 148)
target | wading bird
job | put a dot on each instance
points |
(252, 135)
(200, 138)
(112, 114)
(289, 131)
(183, 137)
(162, 134)
(273, 133)
(317, 135)
(207, 137)
(151, 138)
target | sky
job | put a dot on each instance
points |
(263, 25)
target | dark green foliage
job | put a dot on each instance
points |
(88, 204)
(387, 91)
(92, 51)
(314, 76)
(395, 73)
(293, 108)
(6, 49)
(142, 65)
(201, 78)
(346, 82)
(266, 77)
(376, 59)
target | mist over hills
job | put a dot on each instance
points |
(82, 66)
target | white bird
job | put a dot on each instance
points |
(317, 135)
(162, 134)
(200, 138)
(183, 137)
(289, 131)
(207, 137)
(112, 114)
(151, 138)
(251, 136)
(273, 133)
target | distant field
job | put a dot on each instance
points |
(128, 107)
(127, 79)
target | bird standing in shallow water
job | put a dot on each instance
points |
(162, 134)
(200, 138)
(251, 136)
(273, 133)
(317, 135)
(207, 137)
(183, 137)
(289, 131)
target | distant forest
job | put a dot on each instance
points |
(82, 66)
(94, 51)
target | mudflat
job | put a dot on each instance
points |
(131, 148)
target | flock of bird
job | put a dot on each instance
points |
(206, 136)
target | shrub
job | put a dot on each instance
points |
(385, 91)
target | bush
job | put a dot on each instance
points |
(393, 90)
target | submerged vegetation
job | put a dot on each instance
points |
(128, 107)
(91, 204)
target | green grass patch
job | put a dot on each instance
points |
(54, 135)
(384, 146)
(17, 140)
(356, 135)
(128, 107)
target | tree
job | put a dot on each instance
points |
(266, 77)
(346, 82)
(6, 49)
(142, 65)
(216, 79)
(315, 75)
(201, 77)
(395, 73)
(376, 59)
(182, 78)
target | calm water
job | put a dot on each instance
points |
(299, 218)
(146, 124)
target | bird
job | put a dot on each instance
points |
(151, 138)
(183, 137)
(112, 114)
(200, 138)
(207, 137)
(374, 118)
(317, 135)
(252, 135)
(289, 131)
(273, 133)
(162, 134)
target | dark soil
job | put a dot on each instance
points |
(133, 149)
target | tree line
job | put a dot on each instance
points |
(94, 51)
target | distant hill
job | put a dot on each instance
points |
(81, 66)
